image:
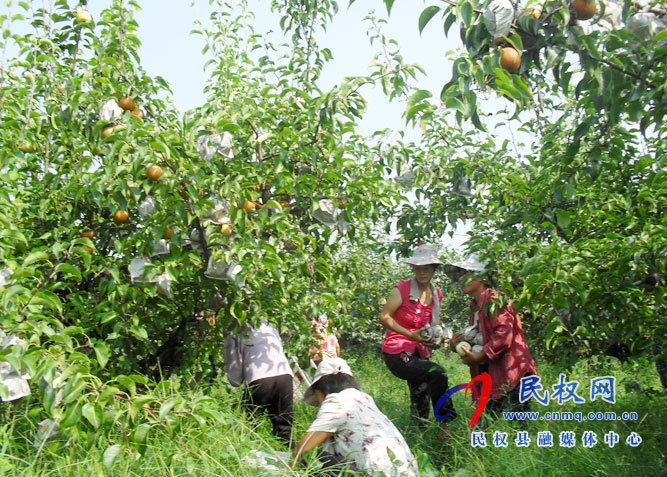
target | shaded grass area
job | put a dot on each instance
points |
(189, 449)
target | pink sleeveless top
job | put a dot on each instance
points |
(411, 315)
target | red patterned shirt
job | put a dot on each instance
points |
(504, 344)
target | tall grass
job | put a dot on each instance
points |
(219, 450)
(637, 390)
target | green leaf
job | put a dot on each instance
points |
(93, 413)
(418, 97)
(47, 299)
(389, 4)
(532, 282)
(138, 403)
(426, 16)
(660, 36)
(466, 12)
(107, 393)
(139, 437)
(72, 415)
(109, 455)
(35, 257)
(140, 332)
(563, 219)
(102, 352)
(455, 103)
(68, 270)
(166, 407)
(128, 383)
(449, 21)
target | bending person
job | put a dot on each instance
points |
(349, 428)
(255, 356)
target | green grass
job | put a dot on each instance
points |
(218, 449)
(391, 396)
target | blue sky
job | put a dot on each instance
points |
(168, 50)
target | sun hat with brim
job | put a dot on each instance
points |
(424, 254)
(326, 367)
(471, 263)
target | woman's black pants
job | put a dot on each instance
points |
(426, 379)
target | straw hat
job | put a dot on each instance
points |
(472, 263)
(424, 254)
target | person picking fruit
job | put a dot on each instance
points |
(412, 306)
(254, 356)
(504, 353)
(349, 430)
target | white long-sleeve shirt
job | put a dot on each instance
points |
(257, 355)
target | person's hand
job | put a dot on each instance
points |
(471, 358)
(416, 336)
(456, 338)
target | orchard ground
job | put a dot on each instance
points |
(219, 450)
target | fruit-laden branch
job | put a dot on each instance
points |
(546, 19)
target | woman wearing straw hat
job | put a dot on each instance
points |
(411, 306)
(349, 429)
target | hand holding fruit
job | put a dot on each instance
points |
(419, 337)
(462, 347)
(470, 358)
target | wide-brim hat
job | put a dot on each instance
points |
(326, 367)
(472, 263)
(424, 254)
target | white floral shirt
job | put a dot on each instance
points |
(363, 435)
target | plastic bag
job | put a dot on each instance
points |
(498, 17)
(210, 144)
(326, 212)
(48, 429)
(274, 460)
(164, 285)
(111, 111)
(343, 225)
(5, 275)
(147, 207)
(16, 383)
(220, 212)
(439, 334)
(645, 25)
(221, 270)
(407, 179)
(161, 247)
(612, 14)
(137, 269)
(195, 239)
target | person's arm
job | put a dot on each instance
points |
(233, 356)
(386, 318)
(308, 442)
(502, 334)
(471, 358)
(501, 338)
